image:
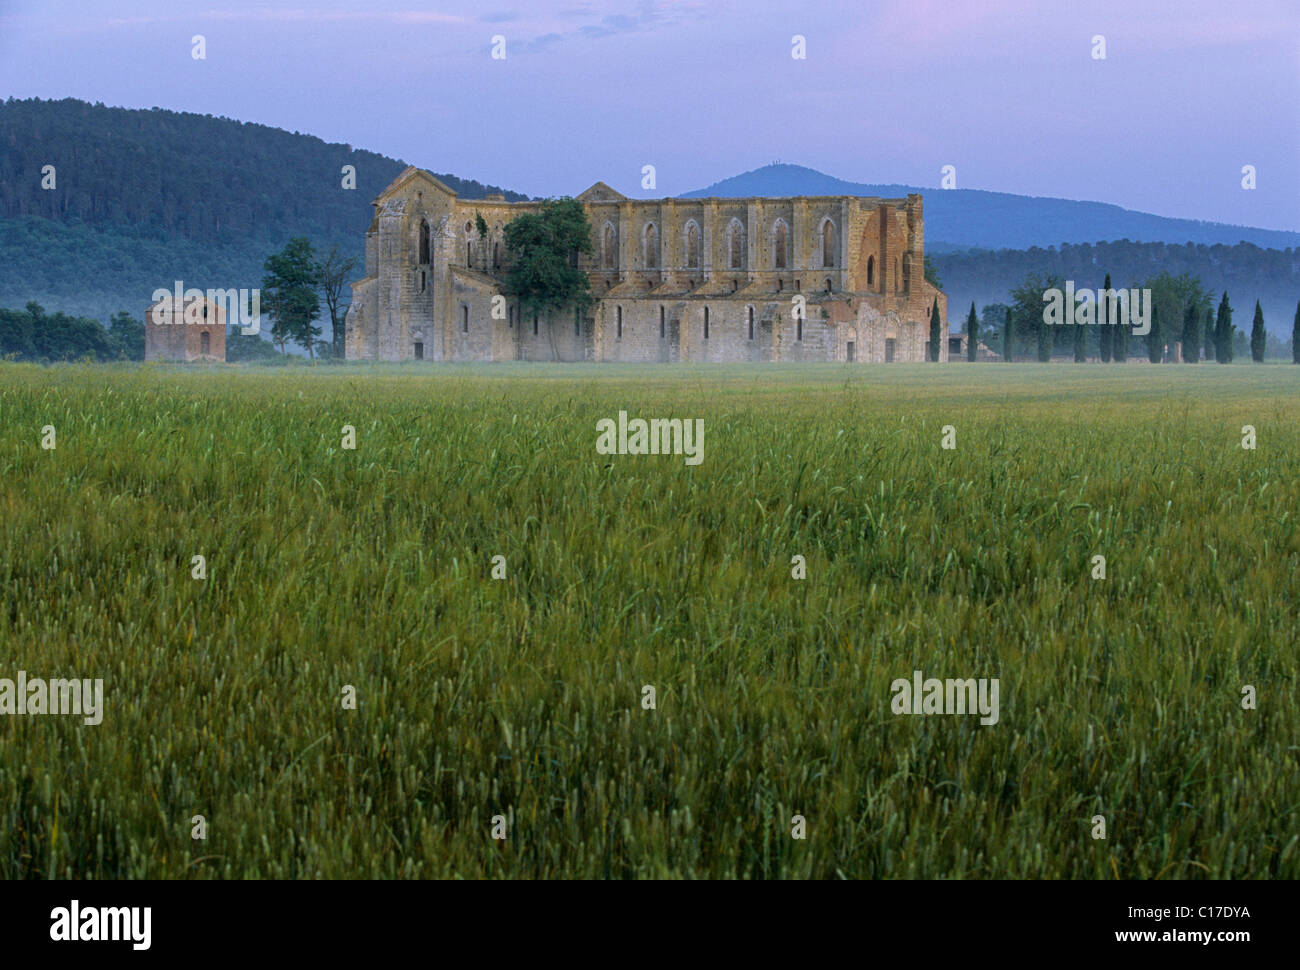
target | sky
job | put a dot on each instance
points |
(1010, 93)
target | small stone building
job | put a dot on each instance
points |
(809, 278)
(195, 331)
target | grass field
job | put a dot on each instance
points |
(522, 697)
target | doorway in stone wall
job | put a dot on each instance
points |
(889, 350)
(849, 353)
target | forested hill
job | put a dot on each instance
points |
(146, 197)
(187, 175)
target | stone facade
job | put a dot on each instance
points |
(675, 280)
(196, 331)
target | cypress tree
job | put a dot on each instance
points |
(1155, 339)
(1223, 332)
(1080, 341)
(1191, 335)
(972, 333)
(1295, 337)
(1119, 339)
(1007, 334)
(1104, 319)
(1045, 338)
(1207, 333)
(934, 331)
(1258, 339)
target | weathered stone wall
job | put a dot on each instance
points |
(428, 265)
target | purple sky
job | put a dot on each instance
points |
(891, 90)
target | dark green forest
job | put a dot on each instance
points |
(188, 176)
(143, 198)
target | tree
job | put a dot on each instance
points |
(289, 294)
(1223, 332)
(1191, 334)
(1120, 331)
(543, 249)
(241, 347)
(972, 334)
(1295, 337)
(932, 274)
(935, 335)
(17, 332)
(1008, 329)
(1027, 311)
(1080, 342)
(1105, 336)
(1045, 340)
(1207, 333)
(126, 333)
(333, 274)
(1173, 294)
(1258, 336)
(1155, 339)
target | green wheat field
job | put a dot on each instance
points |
(522, 697)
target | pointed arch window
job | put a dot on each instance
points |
(736, 244)
(779, 237)
(692, 245)
(828, 244)
(651, 246)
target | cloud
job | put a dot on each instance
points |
(643, 16)
(267, 15)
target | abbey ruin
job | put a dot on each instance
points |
(812, 278)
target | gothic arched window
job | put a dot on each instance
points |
(736, 244)
(692, 245)
(828, 243)
(778, 244)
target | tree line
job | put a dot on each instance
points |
(293, 286)
(1182, 312)
(1270, 275)
(542, 251)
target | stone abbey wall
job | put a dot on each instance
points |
(675, 280)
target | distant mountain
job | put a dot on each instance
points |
(144, 198)
(966, 218)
